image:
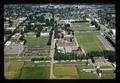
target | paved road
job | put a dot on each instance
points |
(52, 57)
(106, 44)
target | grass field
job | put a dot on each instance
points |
(6, 36)
(82, 26)
(85, 75)
(105, 66)
(89, 42)
(6, 55)
(35, 73)
(13, 70)
(108, 75)
(63, 71)
(27, 70)
(33, 41)
(90, 75)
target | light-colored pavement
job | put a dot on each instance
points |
(52, 57)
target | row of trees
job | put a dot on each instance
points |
(40, 59)
(50, 37)
(110, 55)
(68, 56)
(37, 27)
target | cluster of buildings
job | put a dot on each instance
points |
(101, 61)
(66, 43)
(45, 32)
(14, 45)
(14, 23)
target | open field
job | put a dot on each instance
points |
(90, 75)
(73, 70)
(89, 42)
(7, 55)
(105, 66)
(13, 70)
(6, 36)
(85, 75)
(108, 75)
(34, 73)
(82, 26)
(39, 71)
(33, 41)
(65, 71)
(22, 70)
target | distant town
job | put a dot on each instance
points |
(59, 41)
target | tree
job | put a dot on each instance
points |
(51, 21)
(62, 36)
(67, 25)
(8, 32)
(72, 32)
(22, 38)
(38, 34)
(47, 21)
(10, 22)
(93, 22)
(50, 37)
(98, 27)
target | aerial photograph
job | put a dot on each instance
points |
(59, 41)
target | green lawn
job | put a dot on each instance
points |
(85, 75)
(27, 70)
(7, 55)
(105, 66)
(13, 70)
(6, 36)
(82, 26)
(89, 42)
(33, 41)
(91, 75)
(63, 71)
(108, 75)
(35, 73)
